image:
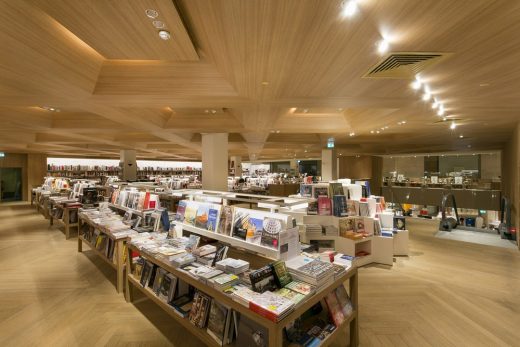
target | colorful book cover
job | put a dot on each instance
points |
(312, 209)
(190, 213)
(218, 321)
(340, 205)
(212, 219)
(318, 191)
(351, 208)
(226, 221)
(181, 209)
(306, 190)
(300, 287)
(271, 228)
(344, 301)
(360, 225)
(399, 223)
(346, 226)
(201, 218)
(335, 189)
(335, 311)
(324, 206)
(281, 275)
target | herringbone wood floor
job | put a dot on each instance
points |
(445, 294)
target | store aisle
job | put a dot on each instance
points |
(447, 293)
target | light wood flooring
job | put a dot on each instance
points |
(447, 293)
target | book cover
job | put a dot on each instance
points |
(190, 212)
(182, 305)
(399, 223)
(271, 228)
(335, 311)
(301, 287)
(318, 191)
(220, 254)
(324, 206)
(281, 275)
(201, 217)
(146, 202)
(360, 225)
(262, 279)
(340, 206)
(226, 220)
(212, 219)
(344, 301)
(346, 226)
(218, 321)
(306, 190)
(181, 209)
(336, 189)
(351, 208)
(147, 268)
(312, 209)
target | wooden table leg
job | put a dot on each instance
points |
(354, 324)
(66, 220)
(129, 288)
(120, 265)
(80, 244)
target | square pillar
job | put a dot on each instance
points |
(329, 165)
(128, 164)
(215, 161)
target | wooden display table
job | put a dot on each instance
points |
(65, 220)
(275, 329)
(119, 251)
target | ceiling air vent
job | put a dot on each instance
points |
(404, 64)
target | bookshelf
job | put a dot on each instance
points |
(275, 329)
(119, 251)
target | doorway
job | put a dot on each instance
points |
(10, 184)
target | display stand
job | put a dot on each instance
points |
(275, 329)
(401, 243)
(119, 252)
(65, 220)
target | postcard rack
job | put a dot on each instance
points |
(275, 329)
(119, 251)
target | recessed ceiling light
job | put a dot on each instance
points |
(440, 112)
(461, 136)
(164, 34)
(277, 131)
(213, 111)
(50, 108)
(349, 8)
(383, 46)
(435, 104)
(426, 96)
(158, 24)
(265, 83)
(352, 134)
(404, 122)
(453, 126)
(427, 89)
(206, 111)
(371, 131)
(151, 13)
(305, 110)
(377, 131)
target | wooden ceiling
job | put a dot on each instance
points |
(281, 76)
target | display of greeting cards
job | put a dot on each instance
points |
(201, 218)
(191, 212)
(199, 214)
(226, 221)
(212, 219)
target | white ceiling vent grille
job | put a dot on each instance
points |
(404, 65)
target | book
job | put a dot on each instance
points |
(281, 275)
(320, 190)
(218, 322)
(226, 221)
(202, 216)
(301, 287)
(181, 209)
(168, 286)
(351, 208)
(346, 226)
(271, 228)
(295, 297)
(399, 223)
(336, 189)
(199, 312)
(251, 334)
(335, 311)
(312, 209)
(182, 305)
(306, 190)
(220, 254)
(360, 225)
(324, 206)
(213, 215)
(271, 306)
(147, 269)
(339, 206)
(223, 281)
(262, 279)
(344, 301)
(190, 212)
(160, 272)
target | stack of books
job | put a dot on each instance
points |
(271, 306)
(234, 266)
(204, 273)
(242, 294)
(310, 270)
(183, 259)
(223, 281)
(314, 229)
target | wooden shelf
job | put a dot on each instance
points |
(200, 333)
(98, 252)
(233, 241)
(275, 328)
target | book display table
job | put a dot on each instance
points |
(275, 329)
(113, 253)
(66, 221)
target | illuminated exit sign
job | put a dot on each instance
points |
(330, 143)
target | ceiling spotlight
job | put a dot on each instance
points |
(426, 96)
(349, 8)
(377, 131)
(383, 46)
(453, 126)
(383, 128)
(440, 112)
(461, 136)
(416, 85)
(277, 131)
(404, 122)
(164, 34)
(435, 104)
(158, 24)
(427, 89)
(151, 13)
(371, 131)
(50, 108)
(305, 110)
(399, 123)
(352, 134)
(445, 119)
(206, 111)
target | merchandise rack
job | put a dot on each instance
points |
(65, 221)
(119, 245)
(275, 329)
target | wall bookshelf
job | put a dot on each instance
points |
(275, 329)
